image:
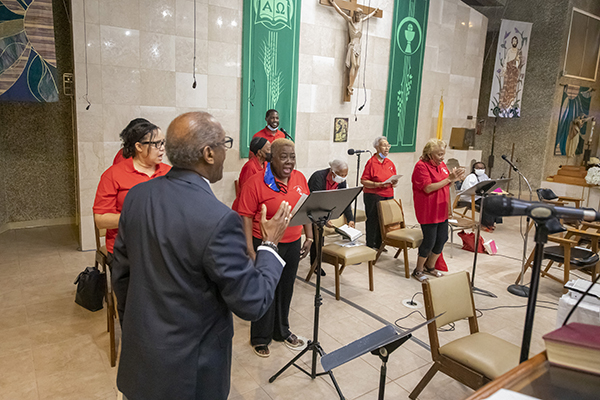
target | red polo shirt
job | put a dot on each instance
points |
(113, 187)
(376, 171)
(119, 157)
(268, 134)
(251, 167)
(255, 193)
(430, 208)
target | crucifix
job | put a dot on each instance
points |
(355, 14)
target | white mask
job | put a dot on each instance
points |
(479, 172)
(337, 178)
(271, 128)
(382, 156)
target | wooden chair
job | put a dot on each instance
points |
(394, 231)
(111, 308)
(473, 360)
(569, 254)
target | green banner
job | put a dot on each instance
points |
(406, 70)
(269, 65)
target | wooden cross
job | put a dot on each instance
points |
(350, 7)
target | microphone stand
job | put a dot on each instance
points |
(357, 173)
(520, 289)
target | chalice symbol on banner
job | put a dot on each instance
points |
(409, 34)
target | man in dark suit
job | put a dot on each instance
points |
(180, 269)
(330, 178)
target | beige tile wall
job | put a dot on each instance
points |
(139, 63)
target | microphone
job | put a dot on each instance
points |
(502, 206)
(511, 164)
(352, 151)
(287, 135)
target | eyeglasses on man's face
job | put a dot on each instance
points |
(227, 142)
(157, 144)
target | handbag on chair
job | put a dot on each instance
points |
(91, 285)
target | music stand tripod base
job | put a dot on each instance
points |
(519, 290)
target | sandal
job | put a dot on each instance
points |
(419, 275)
(433, 272)
(262, 350)
(294, 342)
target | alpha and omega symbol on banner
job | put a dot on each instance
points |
(409, 36)
(274, 14)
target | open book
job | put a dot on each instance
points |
(349, 233)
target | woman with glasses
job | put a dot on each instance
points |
(280, 181)
(143, 150)
(377, 171)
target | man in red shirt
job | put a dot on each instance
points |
(271, 131)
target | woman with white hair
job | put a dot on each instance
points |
(378, 169)
(431, 182)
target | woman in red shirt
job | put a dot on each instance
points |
(261, 148)
(143, 150)
(279, 182)
(431, 182)
(377, 170)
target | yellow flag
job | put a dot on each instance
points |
(440, 119)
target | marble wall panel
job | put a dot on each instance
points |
(158, 87)
(92, 35)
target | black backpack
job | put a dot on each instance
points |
(91, 286)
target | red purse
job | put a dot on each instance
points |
(469, 242)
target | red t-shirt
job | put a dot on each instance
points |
(268, 134)
(430, 208)
(251, 167)
(376, 171)
(114, 186)
(256, 192)
(119, 157)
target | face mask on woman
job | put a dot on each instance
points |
(479, 172)
(337, 178)
(382, 156)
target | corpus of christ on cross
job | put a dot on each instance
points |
(355, 14)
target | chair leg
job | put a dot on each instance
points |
(451, 242)
(337, 280)
(424, 381)
(311, 271)
(380, 251)
(527, 265)
(397, 253)
(371, 286)
(406, 266)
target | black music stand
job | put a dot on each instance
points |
(319, 208)
(380, 343)
(482, 189)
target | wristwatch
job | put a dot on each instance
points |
(271, 245)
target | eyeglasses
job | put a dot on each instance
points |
(227, 142)
(158, 144)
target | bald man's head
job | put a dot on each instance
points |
(188, 135)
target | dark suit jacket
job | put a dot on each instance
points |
(180, 268)
(318, 181)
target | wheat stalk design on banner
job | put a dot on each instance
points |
(402, 98)
(274, 75)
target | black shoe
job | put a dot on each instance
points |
(323, 272)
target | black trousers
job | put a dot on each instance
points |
(275, 324)
(372, 223)
(434, 238)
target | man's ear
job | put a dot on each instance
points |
(208, 154)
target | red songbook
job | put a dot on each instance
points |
(575, 346)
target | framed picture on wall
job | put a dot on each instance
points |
(583, 46)
(340, 130)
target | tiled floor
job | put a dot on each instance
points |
(50, 348)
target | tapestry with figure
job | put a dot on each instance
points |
(509, 70)
(407, 49)
(271, 35)
(27, 54)
(572, 126)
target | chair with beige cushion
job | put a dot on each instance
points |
(340, 257)
(394, 231)
(473, 360)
